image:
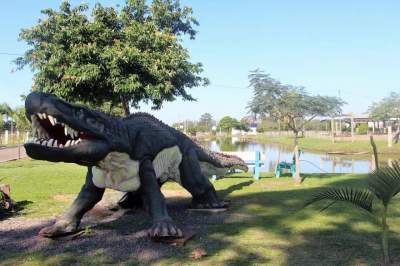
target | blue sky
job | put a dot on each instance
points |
(351, 48)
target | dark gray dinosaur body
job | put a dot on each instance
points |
(136, 155)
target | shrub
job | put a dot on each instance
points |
(362, 129)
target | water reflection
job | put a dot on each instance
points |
(311, 162)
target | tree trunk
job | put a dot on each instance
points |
(374, 153)
(385, 240)
(279, 127)
(390, 136)
(332, 130)
(297, 159)
(352, 128)
(125, 106)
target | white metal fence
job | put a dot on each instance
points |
(16, 137)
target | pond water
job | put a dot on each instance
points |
(311, 162)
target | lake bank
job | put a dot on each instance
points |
(326, 146)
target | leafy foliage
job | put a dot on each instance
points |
(385, 182)
(115, 56)
(360, 198)
(205, 123)
(5, 109)
(21, 121)
(388, 107)
(362, 129)
(227, 123)
(289, 104)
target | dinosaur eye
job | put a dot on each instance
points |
(79, 113)
(93, 122)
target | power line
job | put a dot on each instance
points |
(11, 54)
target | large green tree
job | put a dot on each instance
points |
(118, 56)
(205, 123)
(387, 108)
(21, 121)
(227, 123)
(5, 113)
(290, 105)
(5, 109)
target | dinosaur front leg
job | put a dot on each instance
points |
(193, 180)
(154, 202)
(69, 221)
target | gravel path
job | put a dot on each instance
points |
(118, 236)
(8, 154)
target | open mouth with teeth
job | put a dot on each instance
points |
(65, 132)
(48, 131)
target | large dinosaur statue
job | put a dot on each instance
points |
(136, 154)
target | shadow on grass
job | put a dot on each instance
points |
(225, 192)
(263, 227)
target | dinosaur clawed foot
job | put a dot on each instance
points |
(165, 229)
(208, 200)
(60, 228)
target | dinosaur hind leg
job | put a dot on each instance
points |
(131, 200)
(193, 180)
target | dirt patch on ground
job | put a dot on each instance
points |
(64, 198)
(111, 236)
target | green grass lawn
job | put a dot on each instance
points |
(264, 223)
(326, 145)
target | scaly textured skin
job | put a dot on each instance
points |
(76, 134)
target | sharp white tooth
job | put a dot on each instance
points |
(65, 130)
(40, 115)
(44, 115)
(55, 120)
(73, 142)
(61, 146)
(76, 134)
(44, 143)
(51, 119)
(78, 141)
(68, 143)
(55, 144)
(50, 143)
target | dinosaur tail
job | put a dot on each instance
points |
(221, 160)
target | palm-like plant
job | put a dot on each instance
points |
(382, 184)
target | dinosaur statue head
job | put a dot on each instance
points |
(69, 132)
